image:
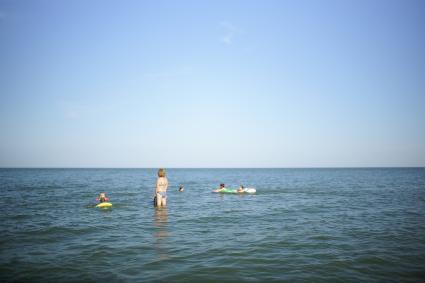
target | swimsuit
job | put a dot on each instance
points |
(162, 194)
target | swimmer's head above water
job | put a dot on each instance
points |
(102, 197)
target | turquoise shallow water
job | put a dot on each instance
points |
(303, 225)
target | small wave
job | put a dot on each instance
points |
(57, 231)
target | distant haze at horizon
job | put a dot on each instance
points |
(215, 168)
(224, 84)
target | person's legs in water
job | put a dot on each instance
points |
(164, 201)
(158, 199)
(162, 198)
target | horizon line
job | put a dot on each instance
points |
(286, 167)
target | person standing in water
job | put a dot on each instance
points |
(161, 188)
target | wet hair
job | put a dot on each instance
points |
(161, 172)
(222, 185)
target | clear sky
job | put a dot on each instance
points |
(212, 83)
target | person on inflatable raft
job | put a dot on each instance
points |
(240, 190)
(102, 198)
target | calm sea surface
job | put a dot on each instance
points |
(303, 225)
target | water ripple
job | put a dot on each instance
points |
(303, 225)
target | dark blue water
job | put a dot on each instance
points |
(303, 225)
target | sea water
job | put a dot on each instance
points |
(302, 225)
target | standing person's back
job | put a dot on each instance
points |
(161, 188)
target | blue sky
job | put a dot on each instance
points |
(212, 83)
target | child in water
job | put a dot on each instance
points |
(102, 198)
(241, 189)
(222, 187)
(161, 188)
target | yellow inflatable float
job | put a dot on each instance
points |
(104, 205)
